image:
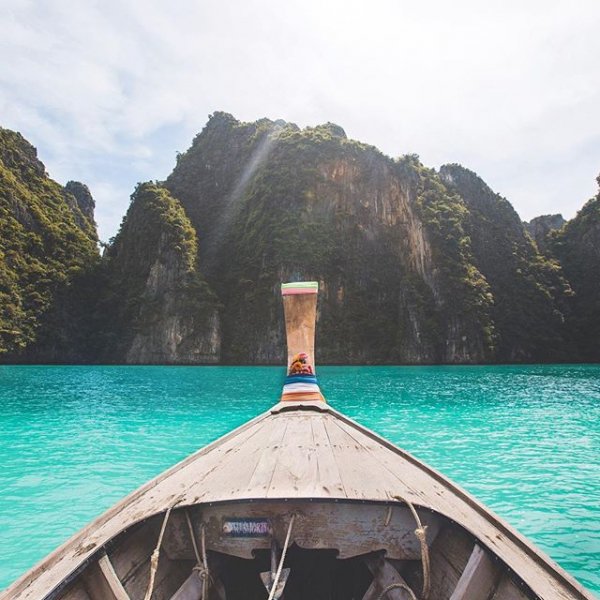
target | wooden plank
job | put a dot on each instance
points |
(367, 464)
(75, 592)
(135, 549)
(296, 464)
(170, 574)
(354, 463)
(449, 556)
(329, 481)
(191, 589)
(352, 529)
(508, 590)
(111, 577)
(178, 544)
(102, 582)
(170, 577)
(384, 575)
(399, 477)
(357, 529)
(261, 473)
(454, 545)
(479, 578)
(231, 476)
(137, 584)
(221, 474)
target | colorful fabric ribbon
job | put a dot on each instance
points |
(301, 383)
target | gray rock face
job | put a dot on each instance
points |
(415, 266)
(171, 335)
(528, 290)
(20, 155)
(44, 254)
(406, 257)
(540, 227)
(84, 199)
(157, 308)
(577, 246)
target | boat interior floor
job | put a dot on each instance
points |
(315, 574)
(331, 551)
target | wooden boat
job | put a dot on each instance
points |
(299, 503)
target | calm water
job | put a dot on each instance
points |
(525, 440)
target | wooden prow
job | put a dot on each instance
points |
(300, 307)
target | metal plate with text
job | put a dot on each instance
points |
(246, 528)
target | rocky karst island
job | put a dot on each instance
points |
(417, 265)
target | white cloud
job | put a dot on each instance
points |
(509, 89)
(114, 204)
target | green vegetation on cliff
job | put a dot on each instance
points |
(467, 298)
(540, 229)
(528, 290)
(46, 245)
(153, 305)
(389, 239)
(415, 265)
(577, 246)
(263, 194)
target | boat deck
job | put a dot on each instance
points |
(304, 450)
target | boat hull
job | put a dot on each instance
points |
(353, 493)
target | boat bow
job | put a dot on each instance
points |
(346, 487)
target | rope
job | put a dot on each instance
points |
(283, 553)
(156, 555)
(201, 563)
(421, 533)
(397, 585)
(204, 574)
(189, 522)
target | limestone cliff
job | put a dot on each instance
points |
(416, 266)
(47, 245)
(385, 237)
(577, 246)
(83, 205)
(541, 227)
(529, 291)
(156, 307)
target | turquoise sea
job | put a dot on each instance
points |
(525, 440)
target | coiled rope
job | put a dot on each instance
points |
(156, 555)
(397, 585)
(283, 553)
(201, 563)
(421, 533)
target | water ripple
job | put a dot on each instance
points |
(525, 440)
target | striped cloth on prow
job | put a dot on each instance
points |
(301, 382)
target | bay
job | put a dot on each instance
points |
(525, 440)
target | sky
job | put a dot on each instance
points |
(110, 90)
